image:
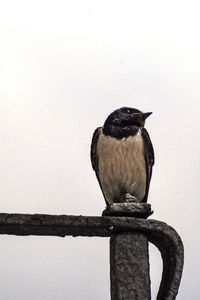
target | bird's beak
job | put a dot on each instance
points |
(145, 115)
(141, 116)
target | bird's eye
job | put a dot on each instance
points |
(128, 111)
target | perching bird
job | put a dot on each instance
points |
(122, 156)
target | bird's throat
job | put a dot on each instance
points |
(120, 132)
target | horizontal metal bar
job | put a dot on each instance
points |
(63, 225)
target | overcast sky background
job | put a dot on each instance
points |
(64, 66)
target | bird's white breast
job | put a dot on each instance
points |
(122, 166)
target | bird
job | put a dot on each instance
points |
(122, 156)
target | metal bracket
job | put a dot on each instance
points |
(125, 231)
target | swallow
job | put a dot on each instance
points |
(122, 156)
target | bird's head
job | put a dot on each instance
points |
(127, 116)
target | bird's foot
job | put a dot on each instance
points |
(130, 198)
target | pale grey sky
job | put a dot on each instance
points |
(64, 66)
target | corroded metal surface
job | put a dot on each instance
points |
(159, 233)
(129, 267)
(135, 210)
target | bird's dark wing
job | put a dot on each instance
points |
(93, 150)
(149, 159)
(94, 155)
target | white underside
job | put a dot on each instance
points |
(122, 167)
